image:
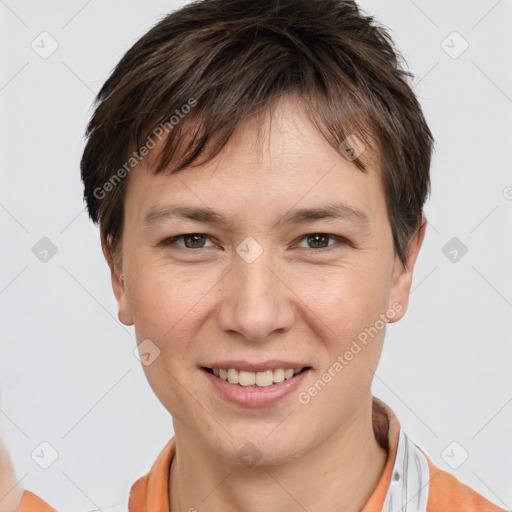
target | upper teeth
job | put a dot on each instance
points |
(262, 379)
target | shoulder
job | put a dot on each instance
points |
(446, 492)
(30, 502)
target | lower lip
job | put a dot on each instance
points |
(247, 396)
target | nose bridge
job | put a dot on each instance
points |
(256, 302)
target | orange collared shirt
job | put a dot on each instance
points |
(410, 481)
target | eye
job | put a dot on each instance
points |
(320, 240)
(191, 240)
(197, 241)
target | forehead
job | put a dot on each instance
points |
(267, 166)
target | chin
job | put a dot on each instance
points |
(253, 447)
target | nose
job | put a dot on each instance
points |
(257, 302)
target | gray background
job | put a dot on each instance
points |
(68, 373)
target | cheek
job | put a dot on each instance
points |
(346, 299)
(168, 310)
(160, 298)
(344, 312)
(354, 311)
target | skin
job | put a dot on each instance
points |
(297, 301)
(10, 491)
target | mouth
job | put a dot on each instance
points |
(259, 379)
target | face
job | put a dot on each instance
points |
(265, 285)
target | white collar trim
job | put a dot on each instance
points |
(410, 477)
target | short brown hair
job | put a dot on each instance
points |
(231, 59)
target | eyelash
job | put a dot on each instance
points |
(343, 241)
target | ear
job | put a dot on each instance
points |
(402, 275)
(118, 285)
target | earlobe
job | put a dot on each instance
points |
(403, 273)
(118, 286)
(124, 311)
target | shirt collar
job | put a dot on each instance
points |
(151, 492)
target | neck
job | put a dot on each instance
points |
(338, 474)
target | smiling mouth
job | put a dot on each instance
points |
(255, 379)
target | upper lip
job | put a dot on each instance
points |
(257, 367)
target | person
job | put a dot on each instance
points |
(259, 171)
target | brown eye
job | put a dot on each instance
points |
(320, 240)
(196, 240)
(190, 241)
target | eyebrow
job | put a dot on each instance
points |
(339, 211)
